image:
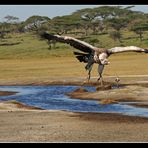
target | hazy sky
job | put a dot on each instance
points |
(25, 11)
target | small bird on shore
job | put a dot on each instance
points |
(117, 80)
(90, 54)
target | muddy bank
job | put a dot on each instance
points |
(64, 81)
(13, 105)
(7, 93)
(128, 93)
(20, 123)
(138, 79)
(141, 105)
(133, 89)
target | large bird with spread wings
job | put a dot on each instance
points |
(90, 54)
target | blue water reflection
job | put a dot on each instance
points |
(54, 98)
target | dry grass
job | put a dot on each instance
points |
(31, 60)
(32, 69)
(128, 64)
(39, 68)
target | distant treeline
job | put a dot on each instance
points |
(90, 21)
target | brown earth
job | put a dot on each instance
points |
(30, 125)
(6, 93)
(20, 123)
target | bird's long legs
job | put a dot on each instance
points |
(101, 80)
(89, 73)
(100, 70)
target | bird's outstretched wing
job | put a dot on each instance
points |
(78, 44)
(126, 49)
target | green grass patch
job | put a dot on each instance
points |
(28, 45)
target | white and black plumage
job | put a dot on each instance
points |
(91, 54)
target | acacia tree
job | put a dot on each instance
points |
(139, 29)
(11, 19)
(34, 22)
(11, 23)
(115, 35)
(118, 23)
(86, 18)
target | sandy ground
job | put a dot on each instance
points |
(19, 123)
(30, 125)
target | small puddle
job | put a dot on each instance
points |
(54, 98)
(117, 86)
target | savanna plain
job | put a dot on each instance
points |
(31, 62)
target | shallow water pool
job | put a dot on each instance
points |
(54, 98)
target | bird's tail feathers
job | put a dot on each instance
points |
(82, 57)
(86, 58)
(78, 53)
